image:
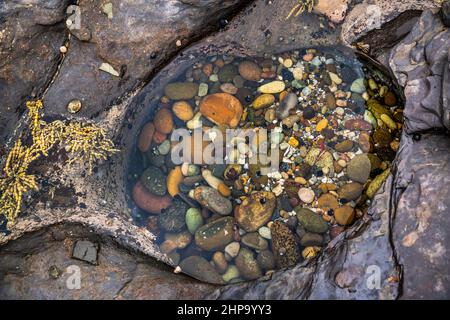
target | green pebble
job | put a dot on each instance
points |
(231, 273)
(298, 84)
(202, 89)
(194, 219)
(358, 86)
(164, 147)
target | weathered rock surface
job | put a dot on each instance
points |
(136, 41)
(370, 15)
(38, 266)
(421, 64)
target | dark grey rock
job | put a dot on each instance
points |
(29, 53)
(85, 251)
(421, 62)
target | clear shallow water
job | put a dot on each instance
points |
(226, 223)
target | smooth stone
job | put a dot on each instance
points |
(194, 219)
(289, 103)
(298, 73)
(203, 89)
(330, 101)
(173, 218)
(358, 86)
(183, 110)
(154, 181)
(358, 169)
(335, 78)
(145, 137)
(265, 233)
(311, 240)
(215, 235)
(344, 215)
(284, 245)
(350, 191)
(232, 249)
(344, 146)
(298, 84)
(222, 109)
(309, 113)
(255, 241)
(250, 70)
(231, 273)
(200, 268)
(311, 221)
(327, 201)
(181, 90)
(247, 265)
(321, 159)
(306, 195)
(220, 262)
(255, 210)
(164, 147)
(211, 199)
(181, 240)
(227, 73)
(229, 88)
(266, 260)
(272, 87)
(263, 101)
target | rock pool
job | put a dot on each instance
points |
(221, 211)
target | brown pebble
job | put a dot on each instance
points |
(146, 136)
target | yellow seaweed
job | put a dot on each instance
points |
(82, 142)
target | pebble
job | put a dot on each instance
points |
(231, 273)
(311, 239)
(358, 169)
(335, 78)
(164, 147)
(266, 260)
(250, 70)
(358, 86)
(220, 262)
(265, 233)
(163, 121)
(203, 89)
(183, 110)
(255, 241)
(228, 88)
(350, 191)
(344, 146)
(263, 101)
(298, 73)
(247, 265)
(215, 235)
(284, 245)
(222, 109)
(255, 210)
(173, 218)
(344, 215)
(201, 269)
(233, 249)
(306, 195)
(311, 221)
(194, 219)
(145, 137)
(210, 198)
(272, 87)
(74, 106)
(154, 181)
(181, 90)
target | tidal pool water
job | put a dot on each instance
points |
(222, 213)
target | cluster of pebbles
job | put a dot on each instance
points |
(337, 129)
